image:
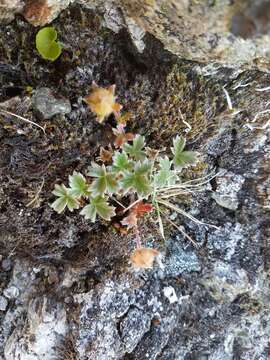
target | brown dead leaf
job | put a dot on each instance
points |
(144, 257)
(102, 102)
(105, 155)
(121, 136)
(135, 212)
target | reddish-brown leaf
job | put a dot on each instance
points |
(141, 208)
(121, 136)
(135, 212)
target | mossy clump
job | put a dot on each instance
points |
(185, 102)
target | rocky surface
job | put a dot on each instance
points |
(9, 8)
(67, 290)
(232, 33)
(46, 105)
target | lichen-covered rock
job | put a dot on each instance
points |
(46, 326)
(180, 260)
(3, 303)
(46, 317)
(228, 185)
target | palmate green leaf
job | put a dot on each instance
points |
(138, 180)
(136, 149)
(98, 206)
(182, 158)
(121, 162)
(78, 185)
(143, 168)
(65, 199)
(105, 181)
(165, 176)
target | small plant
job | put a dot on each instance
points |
(129, 173)
(46, 44)
(131, 176)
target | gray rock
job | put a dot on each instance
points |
(180, 261)
(133, 327)
(211, 40)
(6, 264)
(227, 240)
(46, 105)
(227, 282)
(228, 185)
(11, 292)
(207, 303)
(47, 325)
(3, 303)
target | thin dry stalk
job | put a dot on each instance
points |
(189, 184)
(182, 232)
(171, 206)
(5, 112)
(36, 195)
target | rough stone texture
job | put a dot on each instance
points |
(9, 8)
(46, 105)
(228, 185)
(42, 12)
(3, 303)
(71, 293)
(226, 32)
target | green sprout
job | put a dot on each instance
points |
(46, 44)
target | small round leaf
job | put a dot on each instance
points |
(47, 45)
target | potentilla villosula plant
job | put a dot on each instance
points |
(131, 172)
(128, 171)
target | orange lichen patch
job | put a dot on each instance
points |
(37, 12)
(144, 257)
(102, 102)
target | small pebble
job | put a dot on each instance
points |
(3, 303)
(46, 105)
(12, 292)
(6, 264)
(170, 294)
